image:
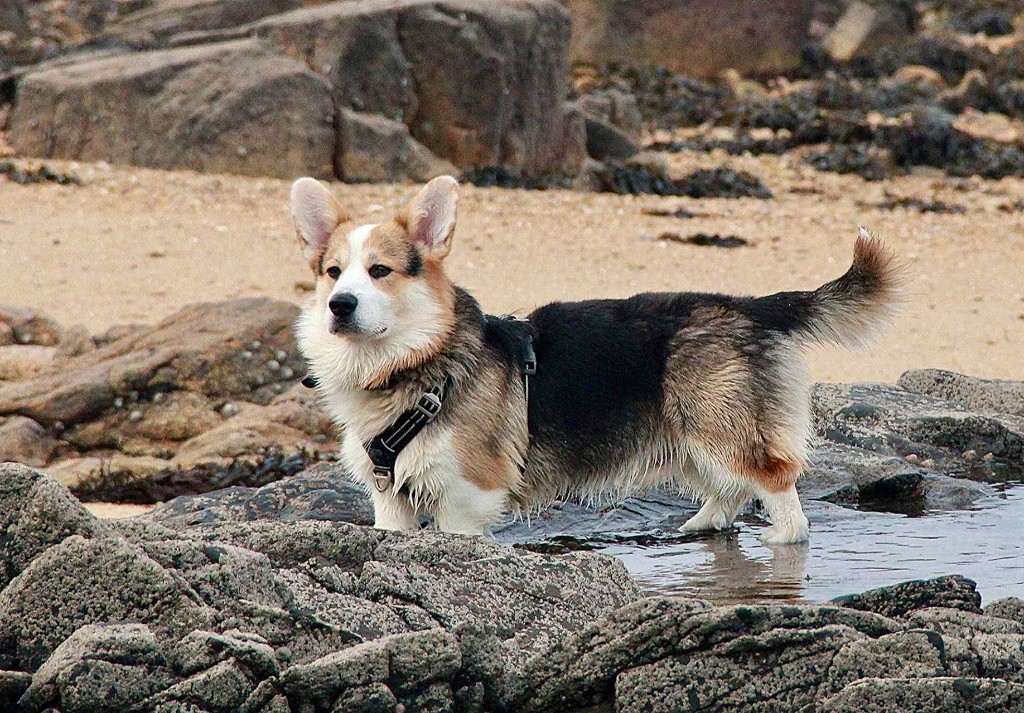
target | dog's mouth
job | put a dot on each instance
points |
(347, 329)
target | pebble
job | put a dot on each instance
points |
(133, 395)
(273, 365)
(970, 454)
(287, 373)
(246, 354)
(228, 410)
(260, 381)
(135, 416)
(913, 458)
(159, 397)
(118, 402)
(988, 457)
(255, 345)
(281, 355)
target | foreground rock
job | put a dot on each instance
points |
(275, 614)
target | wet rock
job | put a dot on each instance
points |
(843, 474)
(694, 38)
(873, 695)
(723, 183)
(375, 149)
(197, 349)
(951, 592)
(940, 434)
(230, 107)
(25, 441)
(321, 493)
(985, 395)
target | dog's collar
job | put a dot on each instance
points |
(384, 448)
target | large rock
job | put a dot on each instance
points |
(696, 37)
(985, 395)
(205, 348)
(477, 83)
(872, 695)
(231, 107)
(161, 21)
(934, 432)
(372, 148)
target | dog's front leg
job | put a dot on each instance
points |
(393, 512)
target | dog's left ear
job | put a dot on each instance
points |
(430, 216)
(316, 213)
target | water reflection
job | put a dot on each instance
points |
(850, 550)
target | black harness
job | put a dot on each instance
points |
(383, 449)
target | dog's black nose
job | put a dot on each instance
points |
(343, 305)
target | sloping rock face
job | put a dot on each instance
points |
(213, 385)
(362, 90)
(698, 37)
(274, 614)
(230, 107)
(250, 616)
(477, 83)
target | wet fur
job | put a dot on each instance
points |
(703, 392)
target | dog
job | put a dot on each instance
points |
(706, 393)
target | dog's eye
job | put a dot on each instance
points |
(379, 271)
(334, 272)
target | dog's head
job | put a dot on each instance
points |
(380, 285)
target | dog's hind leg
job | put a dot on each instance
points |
(789, 525)
(724, 496)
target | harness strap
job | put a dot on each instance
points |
(384, 448)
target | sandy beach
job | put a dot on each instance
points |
(134, 245)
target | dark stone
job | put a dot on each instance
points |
(952, 592)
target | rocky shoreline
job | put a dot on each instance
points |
(266, 611)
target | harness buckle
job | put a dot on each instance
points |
(429, 405)
(383, 478)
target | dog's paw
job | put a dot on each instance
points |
(702, 522)
(790, 534)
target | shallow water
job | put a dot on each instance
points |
(850, 550)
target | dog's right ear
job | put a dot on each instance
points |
(316, 213)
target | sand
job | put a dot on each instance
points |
(134, 245)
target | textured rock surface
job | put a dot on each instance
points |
(697, 37)
(228, 602)
(214, 385)
(231, 107)
(373, 148)
(477, 83)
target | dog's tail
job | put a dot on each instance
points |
(848, 311)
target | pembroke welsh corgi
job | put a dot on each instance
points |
(705, 393)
